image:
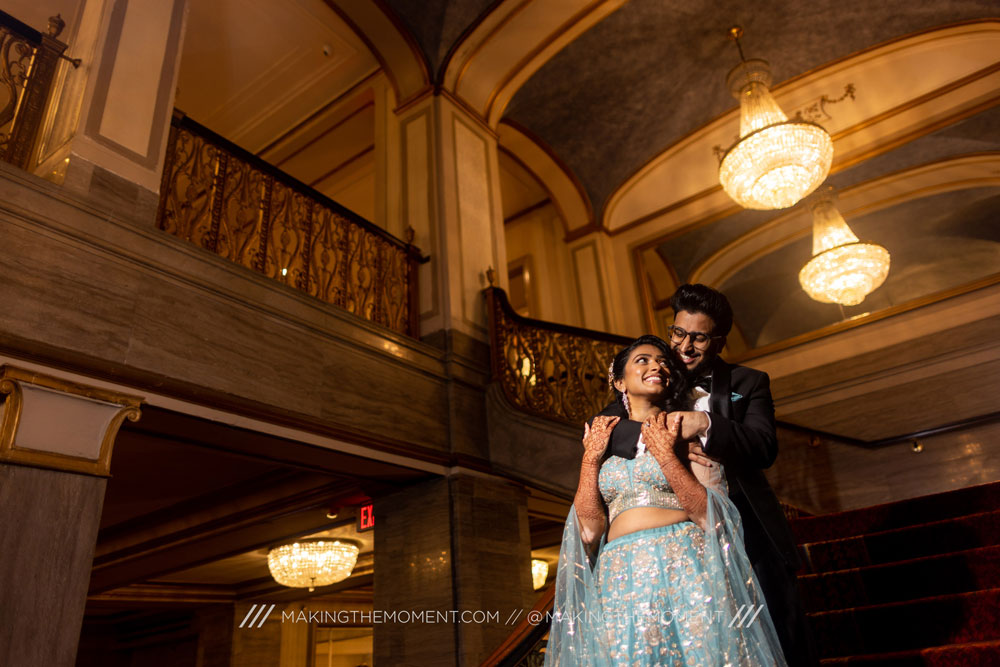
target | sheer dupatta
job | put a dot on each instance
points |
(738, 627)
(576, 636)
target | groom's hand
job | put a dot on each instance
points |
(693, 424)
(697, 454)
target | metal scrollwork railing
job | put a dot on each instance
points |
(230, 202)
(550, 370)
(28, 61)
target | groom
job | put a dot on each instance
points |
(734, 418)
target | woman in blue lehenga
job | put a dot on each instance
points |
(652, 569)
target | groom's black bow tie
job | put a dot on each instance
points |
(705, 382)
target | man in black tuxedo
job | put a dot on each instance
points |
(734, 419)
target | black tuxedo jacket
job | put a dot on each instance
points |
(743, 437)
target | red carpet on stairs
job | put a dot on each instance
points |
(916, 582)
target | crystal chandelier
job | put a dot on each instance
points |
(312, 562)
(842, 270)
(776, 161)
(539, 573)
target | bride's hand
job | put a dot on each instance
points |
(595, 440)
(660, 434)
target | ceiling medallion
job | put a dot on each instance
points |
(312, 562)
(842, 270)
(776, 162)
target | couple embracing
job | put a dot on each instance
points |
(676, 551)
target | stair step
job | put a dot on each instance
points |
(953, 655)
(936, 507)
(958, 572)
(916, 624)
(928, 539)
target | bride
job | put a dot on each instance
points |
(652, 569)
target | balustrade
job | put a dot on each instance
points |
(230, 202)
(28, 64)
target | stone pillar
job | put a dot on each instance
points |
(55, 453)
(451, 198)
(594, 274)
(459, 546)
(107, 128)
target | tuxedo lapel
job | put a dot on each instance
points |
(720, 402)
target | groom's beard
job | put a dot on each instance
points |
(704, 364)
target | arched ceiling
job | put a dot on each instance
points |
(438, 25)
(686, 252)
(654, 71)
(595, 93)
(937, 243)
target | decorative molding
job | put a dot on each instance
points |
(564, 188)
(599, 276)
(396, 50)
(903, 185)
(866, 319)
(14, 381)
(815, 112)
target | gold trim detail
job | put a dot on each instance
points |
(562, 166)
(839, 327)
(11, 379)
(534, 53)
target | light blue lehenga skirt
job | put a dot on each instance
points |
(672, 595)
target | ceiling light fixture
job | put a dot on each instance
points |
(312, 562)
(776, 162)
(842, 270)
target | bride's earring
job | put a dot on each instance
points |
(628, 411)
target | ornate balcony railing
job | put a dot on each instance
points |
(228, 201)
(28, 63)
(549, 370)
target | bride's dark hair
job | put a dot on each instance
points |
(677, 390)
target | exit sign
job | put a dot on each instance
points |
(366, 517)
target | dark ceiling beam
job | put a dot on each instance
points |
(165, 424)
(218, 533)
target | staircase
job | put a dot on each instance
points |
(915, 582)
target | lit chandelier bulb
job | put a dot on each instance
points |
(776, 162)
(843, 269)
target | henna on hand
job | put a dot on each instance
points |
(588, 494)
(660, 435)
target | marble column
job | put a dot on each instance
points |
(448, 171)
(56, 439)
(107, 125)
(458, 546)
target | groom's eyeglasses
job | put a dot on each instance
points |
(698, 339)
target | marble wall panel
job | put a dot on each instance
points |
(832, 476)
(117, 298)
(413, 572)
(541, 452)
(50, 521)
